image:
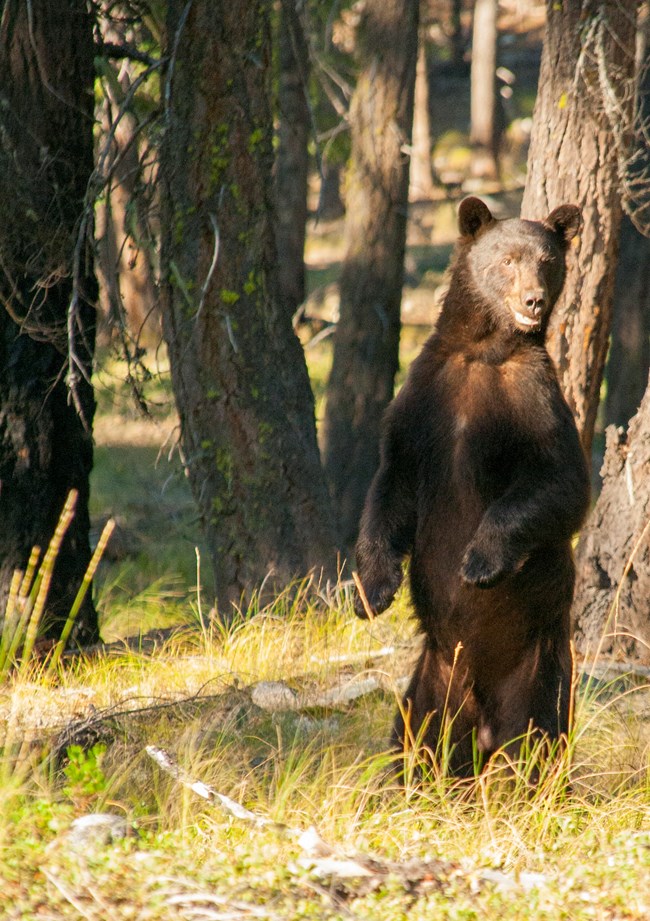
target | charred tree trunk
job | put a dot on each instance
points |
(238, 371)
(483, 130)
(581, 128)
(47, 292)
(367, 337)
(612, 598)
(292, 162)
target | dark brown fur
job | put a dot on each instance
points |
(483, 482)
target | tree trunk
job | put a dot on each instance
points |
(238, 371)
(367, 337)
(292, 162)
(330, 203)
(47, 323)
(125, 265)
(421, 175)
(457, 38)
(629, 353)
(581, 129)
(483, 128)
(612, 598)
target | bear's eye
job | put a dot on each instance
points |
(506, 261)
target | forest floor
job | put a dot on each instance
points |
(286, 714)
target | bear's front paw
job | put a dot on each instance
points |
(483, 569)
(377, 599)
(378, 593)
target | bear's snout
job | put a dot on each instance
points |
(534, 301)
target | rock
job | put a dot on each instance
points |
(98, 829)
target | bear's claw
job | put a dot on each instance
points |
(477, 569)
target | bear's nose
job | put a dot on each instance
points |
(534, 301)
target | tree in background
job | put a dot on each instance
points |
(292, 158)
(366, 342)
(629, 353)
(125, 243)
(579, 150)
(421, 171)
(238, 372)
(483, 128)
(47, 292)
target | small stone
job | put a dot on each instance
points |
(97, 829)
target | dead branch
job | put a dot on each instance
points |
(365, 872)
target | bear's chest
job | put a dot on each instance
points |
(492, 410)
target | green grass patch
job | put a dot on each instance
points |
(504, 850)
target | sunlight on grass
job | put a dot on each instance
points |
(325, 766)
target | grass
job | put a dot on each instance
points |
(75, 733)
(505, 852)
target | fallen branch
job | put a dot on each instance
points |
(165, 761)
(369, 872)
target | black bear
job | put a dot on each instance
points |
(483, 481)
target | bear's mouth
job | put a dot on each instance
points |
(526, 322)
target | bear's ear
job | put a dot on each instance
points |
(473, 215)
(565, 221)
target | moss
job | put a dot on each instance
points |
(264, 431)
(256, 138)
(228, 297)
(219, 154)
(251, 283)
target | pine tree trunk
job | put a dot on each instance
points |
(330, 203)
(629, 353)
(457, 38)
(125, 254)
(581, 126)
(238, 371)
(46, 159)
(421, 174)
(483, 130)
(612, 598)
(367, 337)
(292, 162)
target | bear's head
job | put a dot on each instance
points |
(517, 267)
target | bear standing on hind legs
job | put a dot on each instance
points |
(483, 482)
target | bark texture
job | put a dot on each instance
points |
(367, 337)
(292, 162)
(238, 371)
(46, 160)
(612, 598)
(629, 353)
(581, 130)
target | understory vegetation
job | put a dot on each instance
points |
(265, 713)
(287, 713)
